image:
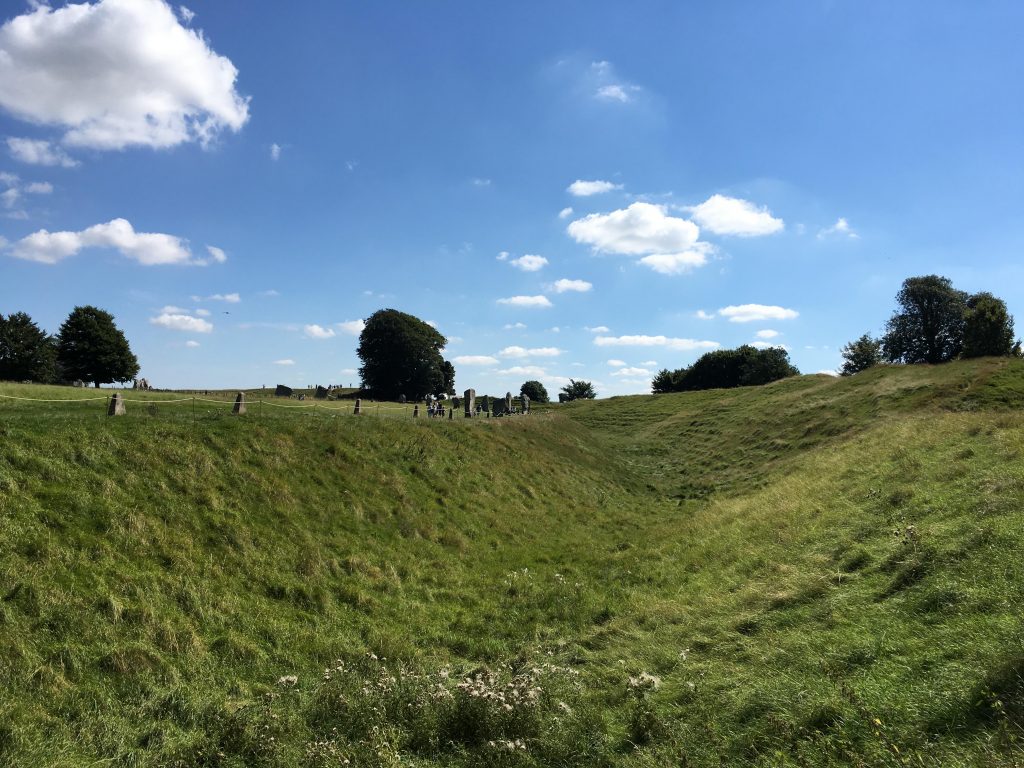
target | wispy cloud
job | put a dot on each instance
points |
(747, 313)
(476, 360)
(581, 188)
(840, 229)
(314, 331)
(529, 263)
(681, 345)
(576, 286)
(526, 301)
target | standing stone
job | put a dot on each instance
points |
(282, 391)
(451, 413)
(358, 407)
(508, 402)
(469, 396)
(116, 407)
(486, 401)
(321, 393)
(524, 403)
(416, 411)
(239, 407)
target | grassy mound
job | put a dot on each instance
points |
(815, 572)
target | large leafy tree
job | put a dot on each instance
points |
(929, 326)
(744, 366)
(577, 390)
(26, 351)
(92, 348)
(535, 391)
(988, 327)
(401, 355)
(861, 354)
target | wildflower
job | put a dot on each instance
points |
(287, 680)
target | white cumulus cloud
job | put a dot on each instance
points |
(529, 263)
(148, 248)
(352, 327)
(314, 331)
(747, 313)
(565, 213)
(117, 73)
(178, 322)
(631, 372)
(679, 263)
(617, 363)
(581, 188)
(526, 301)
(476, 360)
(39, 152)
(640, 229)
(681, 345)
(767, 333)
(732, 216)
(564, 285)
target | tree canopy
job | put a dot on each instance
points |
(988, 326)
(576, 390)
(535, 391)
(401, 355)
(725, 368)
(861, 354)
(27, 353)
(929, 326)
(92, 348)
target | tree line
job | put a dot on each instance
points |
(936, 323)
(89, 347)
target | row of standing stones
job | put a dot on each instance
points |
(487, 405)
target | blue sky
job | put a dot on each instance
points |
(581, 190)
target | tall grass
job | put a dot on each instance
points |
(816, 572)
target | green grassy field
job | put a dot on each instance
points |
(817, 572)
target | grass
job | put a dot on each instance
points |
(815, 572)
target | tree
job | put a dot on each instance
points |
(665, 381)
(929, 328)
(535, 391)
(26, 351)
(861, 354)
(745, 366)
(577, 390)
(447, 378)
(91, 348)
(988, 327)
(401, 355)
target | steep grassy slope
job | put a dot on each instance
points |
(817, 572)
